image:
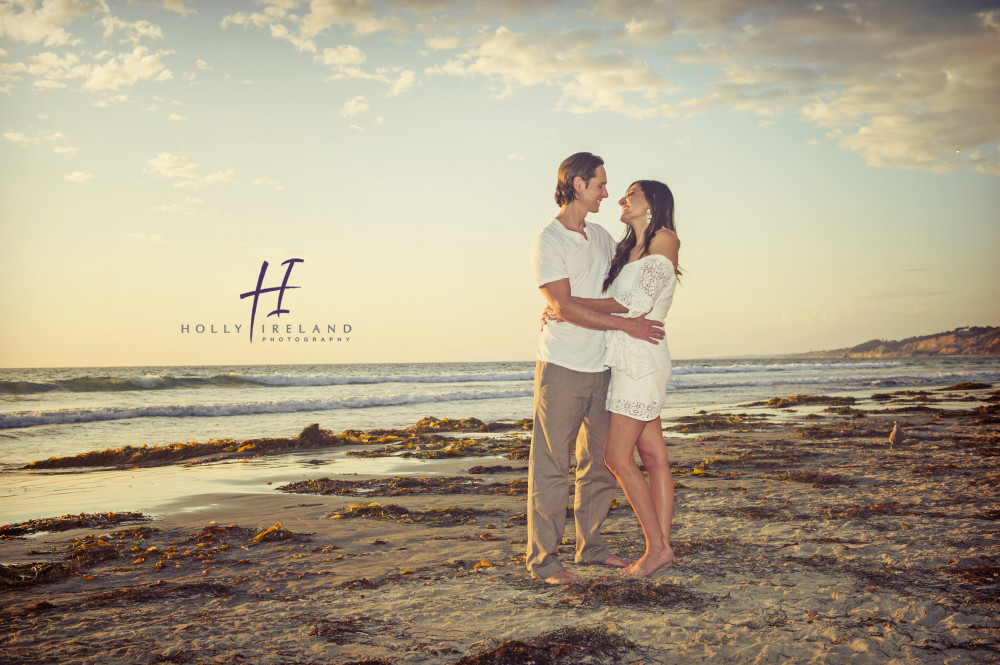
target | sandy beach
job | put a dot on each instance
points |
(802, 536)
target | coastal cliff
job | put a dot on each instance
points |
(968, 341)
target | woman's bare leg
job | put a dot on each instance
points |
(624, 434)
(653, 454)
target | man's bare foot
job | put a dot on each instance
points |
(615, 562)
(563, 577)
(649, 564)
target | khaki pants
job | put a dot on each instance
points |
(569, 407)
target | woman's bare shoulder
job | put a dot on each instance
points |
(664, 241)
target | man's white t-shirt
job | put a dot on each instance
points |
(558, 253)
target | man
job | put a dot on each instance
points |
(570, 258)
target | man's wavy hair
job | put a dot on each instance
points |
(583, 164)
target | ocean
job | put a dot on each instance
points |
(56, 412)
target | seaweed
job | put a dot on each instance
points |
(30, 574)
(777, 513)
(155, 592)
(452, 516)
(69, 522)
(968, 385)
(406, 485)
(437, 446)
(277, 533)
(632, 592)
(497, 468)
(310, 437)
(566, 646)
(859, 512)
(340, 631)
(719, 421)
(799, 400)
(822, 479)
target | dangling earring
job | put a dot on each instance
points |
(649, 216)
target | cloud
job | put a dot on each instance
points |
(177, 6)
(355, 106)
(590, 81)
(111, 100)
(125, 69)
(277, 16)
(134, 31)
(184, 171)
(34, 23)
(264, 181)
(342, 56)
(403, 83)
(176, 117)
(901, 85)
(78, 176)
(343, 60)
(188, 207)
(110, 72)
(41, 138)
(442, 43)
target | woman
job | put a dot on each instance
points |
(641, 281)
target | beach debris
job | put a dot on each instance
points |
(148, 593)
(437, 517)
(635, 592)
(340, 631)
(483, 563)
(311, 437)
(406, 485)
(497, 468)
(897, 436)
(565, 646)
(30, 574)
(967, 385)
(277, 533)
(799, 400)
(816, 479)
(859, 512)
(69, 522)
(213, 450)
(707, 422)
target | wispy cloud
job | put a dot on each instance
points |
(355, 106)
(185, 172)
(78, 176)
(900, 84)
(41, 137)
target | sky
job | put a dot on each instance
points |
(835, 167)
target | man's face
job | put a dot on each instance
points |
(595, 191)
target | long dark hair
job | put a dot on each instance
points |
(661, 205)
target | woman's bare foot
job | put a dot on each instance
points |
(563, 577)
(649, 563)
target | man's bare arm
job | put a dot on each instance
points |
(560, 298)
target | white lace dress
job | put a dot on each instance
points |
(640, 370)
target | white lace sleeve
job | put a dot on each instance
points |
(641, 294)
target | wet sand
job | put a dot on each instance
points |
(801, 537)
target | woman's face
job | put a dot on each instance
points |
(634, 206)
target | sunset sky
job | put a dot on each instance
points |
(835, 167)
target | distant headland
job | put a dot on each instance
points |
(968, 341)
